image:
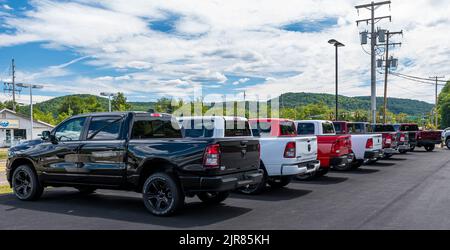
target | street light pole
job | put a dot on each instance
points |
(31, 87)
(337, 44)
(109, 95)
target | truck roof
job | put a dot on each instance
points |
(318, 121)
(118, 113)
(271, 120)
(226, 118)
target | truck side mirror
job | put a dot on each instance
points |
(47, 136)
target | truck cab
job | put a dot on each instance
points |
(411, 129)
(333, 150)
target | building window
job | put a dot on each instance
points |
(20, 134)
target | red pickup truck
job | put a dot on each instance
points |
(333, 150)
(420, 138)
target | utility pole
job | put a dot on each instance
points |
(436, 98)
(13, 69)
(31, 87)
(388, 64)
(373, 37)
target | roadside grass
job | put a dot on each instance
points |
(3, 154)
(5, 189)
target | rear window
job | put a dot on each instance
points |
(356, 128)
(328, 128)
(305, 129)
(287, 128)
(198, 128)
(338, 127)
(383, 128)
(261, 129)
(234, 128)
(151, 129)
(409, 128)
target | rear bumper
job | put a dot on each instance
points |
(373, 155)
(342, 160)
(221, 183)
(311, 167)
(404, 147)
(390, 151)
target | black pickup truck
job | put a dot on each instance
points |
(134, 151)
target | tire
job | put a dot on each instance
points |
(306, 177)
(430, 148)
(86, 190)
(213, 197)
(357, 164)
(388, 156)
(25, 184)
(447, 143)
(254, 189)
(258, 188)
(322, 172)
(280, 183)
(412, 148)
(162, 195)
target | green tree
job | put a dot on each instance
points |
(444, 106)
(119, 103)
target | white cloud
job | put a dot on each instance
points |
(214, 38)
(7, 7)
(242, 80)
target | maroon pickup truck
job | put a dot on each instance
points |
(420, 138)
(428, 139)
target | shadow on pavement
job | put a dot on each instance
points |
(271, 194)
(123, 208)
(395, 159)
(359, 171)
(325, 180)
(381, 164)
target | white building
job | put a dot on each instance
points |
(15, 128)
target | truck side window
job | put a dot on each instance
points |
(70, 130)
(305, 129)
(151, 129)
(287, 128)
(104, 128)
(237, 128)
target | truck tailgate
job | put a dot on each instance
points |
(238, 155)
(429, 135)
(306, 148)
(377, 141)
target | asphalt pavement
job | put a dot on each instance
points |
(406, 192)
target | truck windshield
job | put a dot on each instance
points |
(383, 128)
(287, 128)
(305, 129)
(409, 128)
(234, 128)
(198, 128)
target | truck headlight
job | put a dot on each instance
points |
(11, 154)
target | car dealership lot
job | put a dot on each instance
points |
(407, 192)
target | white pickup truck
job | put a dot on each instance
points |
(284, 154)
(368, 148)
(282, 157)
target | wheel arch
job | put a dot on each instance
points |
(154, 165)
(19, 162)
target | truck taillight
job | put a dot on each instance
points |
(402, 137)
(369, 143)
(259, 151)
(211, 158)
(289, 151)
(336, 147)
(388, 139)
(155, 115)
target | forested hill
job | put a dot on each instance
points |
(395, 105)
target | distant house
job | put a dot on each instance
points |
(15, 128)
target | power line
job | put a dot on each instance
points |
(416, 79)
(419, 78)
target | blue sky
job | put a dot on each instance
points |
(153, 49)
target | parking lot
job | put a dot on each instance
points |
(406, 192)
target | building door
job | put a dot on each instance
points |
(9, 137)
